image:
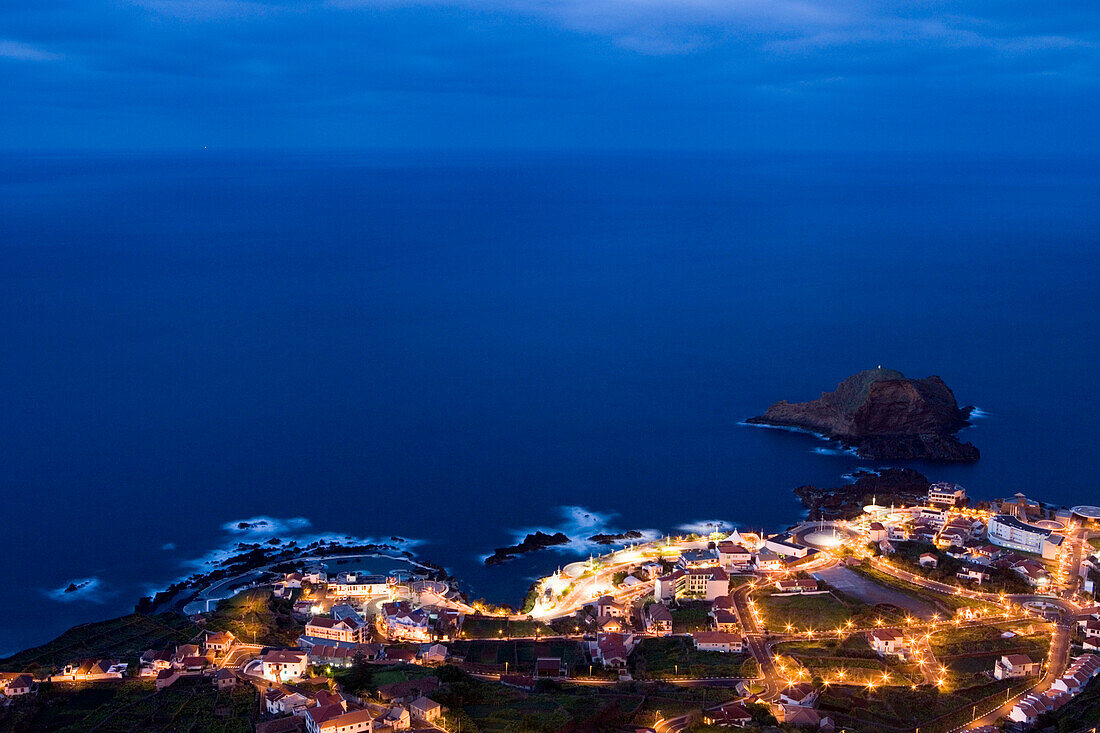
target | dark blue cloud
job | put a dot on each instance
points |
(531, 73)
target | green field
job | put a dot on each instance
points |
(803, 612)
(828, 658)
(967, 640)
(520, 655)
(257, 617)
(676, 656)
(946, 602)
(903, 708)
(690, 616)
(491, 708)
(123, 638)
(499, 627)
(191, 705)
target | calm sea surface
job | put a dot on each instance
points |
(456, 349)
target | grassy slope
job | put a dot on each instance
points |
(189, 705)
(120, 638)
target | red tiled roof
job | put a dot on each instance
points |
(321, 713)
(716, 637)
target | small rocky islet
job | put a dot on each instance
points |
(883, 415)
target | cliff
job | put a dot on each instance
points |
(884, 416)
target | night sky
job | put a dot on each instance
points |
(1006, 76)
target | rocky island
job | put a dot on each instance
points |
(883, 415)
(531, 543)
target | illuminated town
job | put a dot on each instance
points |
(986, 612)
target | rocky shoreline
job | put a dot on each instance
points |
(886, 487)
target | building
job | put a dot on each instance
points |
(804, 585)
(434, 654)
(734, 556)
(423, 708)
(929, 560)
(396, 693)
(333, 719)
(552, 667)
(356, 585)
(16, 685)
(887, 641)
(784, 547)
(1027, 710)
(1033, 571)
(1088, 516)
(154, 660)
(658, 619)
(610, 624)
(284, 665)
(802, 694)
(91, 670)
(1008, 531)
(769, 561)
(729, 714)
(711, 583)
(225, 679)
(972, 573)
(402, 622)
(1018, 506)
(717, 641)
(724, 619)
(877, 532)
(220, 643)
(608, 606)
(1052, 545)
(1015, 665)
(945, 494)
(666, 587)
(611, 650)
(698, 558)
(349, 630)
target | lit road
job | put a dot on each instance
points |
(756, 645)
(1056, 666)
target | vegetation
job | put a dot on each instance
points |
(191, 704)
(519, 655)
(691, 616)
(946, 603)
(987, 639)
(123, 638)
(1000, 580)
(498, 627)
(903, 707)
(255, 616)
(676, 656)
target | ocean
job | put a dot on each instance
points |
(458, 349)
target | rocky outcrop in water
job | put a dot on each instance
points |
(892, 486)
(883, 415)
(608, 539)
(531, 543)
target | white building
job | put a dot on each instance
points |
(1015, 665)
(717, 641)
(1007, 531)
(781, 547)
(354, 585)
(887, 641)
(284, 665)
(945, 494)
